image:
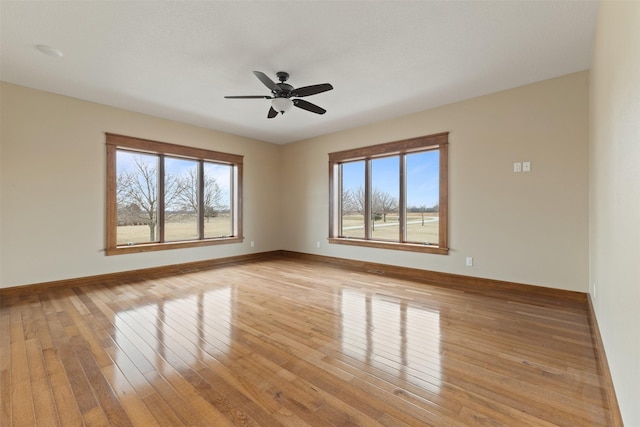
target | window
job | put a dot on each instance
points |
(166, 196)
(391, 196)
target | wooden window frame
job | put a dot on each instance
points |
(114, 142)
(403, 147)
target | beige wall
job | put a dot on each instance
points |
(527, 227)
(615, 196)
(52, 179)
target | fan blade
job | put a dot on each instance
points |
(305, 105)
(272, 113)
(311, 90)
(249, 97)
(267, 81)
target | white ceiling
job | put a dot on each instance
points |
(384, 58)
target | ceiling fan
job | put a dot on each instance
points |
(281, 94)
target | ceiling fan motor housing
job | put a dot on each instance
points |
(285, 90)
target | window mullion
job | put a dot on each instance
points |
(201, 190)
(339, 201)
(233, 200)
(161, 205)
(112, 198)
(402, 202)
(367, 199)
(443, 203)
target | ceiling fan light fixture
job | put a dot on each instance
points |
(282, 105)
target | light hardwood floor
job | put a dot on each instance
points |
(293, 342)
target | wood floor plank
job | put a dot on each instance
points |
(95, 417)
(5, 362)
(109, 403)
(175, 402)
(44, 403)
(66, 404)
(22, 410)
(5, 397)
(163, 414)
(293, 342)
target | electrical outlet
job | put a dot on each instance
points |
(252, 243)
(594, 290)
(318, 244)
(517, 167)
(469, 261)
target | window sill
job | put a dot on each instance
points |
(150, 247)
(412, 247)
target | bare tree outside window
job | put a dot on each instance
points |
(137, 198)
(180, 218)
(138, 193)
(382, 203)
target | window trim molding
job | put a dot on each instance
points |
(405, 146)
(115, 141)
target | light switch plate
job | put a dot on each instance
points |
(526, 167)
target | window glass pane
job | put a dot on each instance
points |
(385, 193)
(217, 200)
(180, 199)
(423, 188)
(352, 200)
(136, 197)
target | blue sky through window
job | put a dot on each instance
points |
(423, 179)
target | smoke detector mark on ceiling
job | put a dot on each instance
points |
(49, 51)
